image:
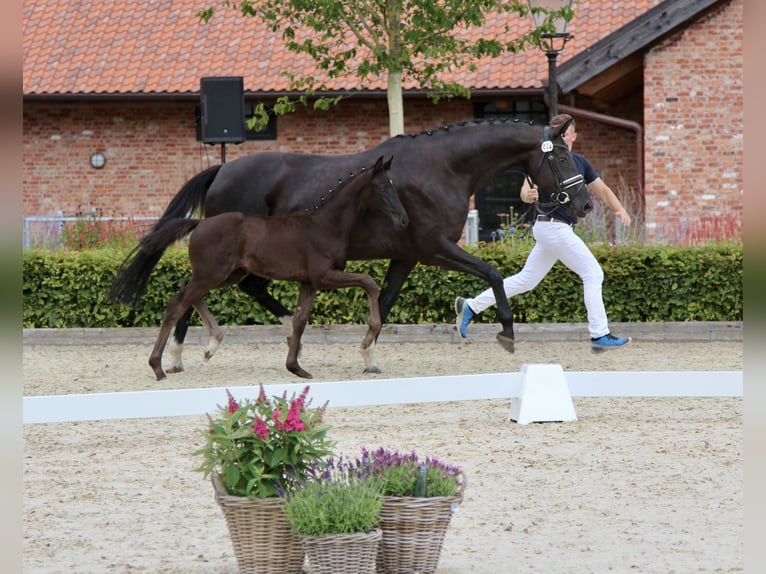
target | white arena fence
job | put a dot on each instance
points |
(375, 392)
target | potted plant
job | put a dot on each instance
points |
(335, 512)
(250, 448)
(420, 496)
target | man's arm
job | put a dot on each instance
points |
(602, 191)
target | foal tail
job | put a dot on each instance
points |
(133, 274)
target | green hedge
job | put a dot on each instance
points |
(642, 283)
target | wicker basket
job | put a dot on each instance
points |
(342, 553)
(413, 532)
(260, 533)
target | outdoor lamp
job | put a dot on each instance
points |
(551, 43)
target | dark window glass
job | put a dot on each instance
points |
(268, 133)
(499, 201)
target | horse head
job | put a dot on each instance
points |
(557, 174)
(384, 197)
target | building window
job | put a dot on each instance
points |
(499, 200)
(268, 133)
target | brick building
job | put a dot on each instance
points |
(656, 87)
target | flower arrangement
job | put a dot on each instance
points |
(337, 497)
(253, 446)
(399, 473)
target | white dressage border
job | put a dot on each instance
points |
(373, 392)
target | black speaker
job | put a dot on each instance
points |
(222, 109)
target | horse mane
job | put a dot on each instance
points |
(330, 193)
(467, 124)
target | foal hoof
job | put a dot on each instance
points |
(374, 370)
(506, 342)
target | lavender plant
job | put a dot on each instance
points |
(398, 472)
(333, 497)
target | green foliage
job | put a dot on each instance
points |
(419, 40)
(253, 446)
(334, 499)
(642, 283)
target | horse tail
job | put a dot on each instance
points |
(133, 275)
(191, 197)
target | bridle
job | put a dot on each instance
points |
(565, 187)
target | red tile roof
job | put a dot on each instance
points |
(160, 46)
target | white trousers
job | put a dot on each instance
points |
(556, 241)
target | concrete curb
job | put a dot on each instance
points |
(481, 332)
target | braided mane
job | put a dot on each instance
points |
(467, 124)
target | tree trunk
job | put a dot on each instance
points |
(395, 104)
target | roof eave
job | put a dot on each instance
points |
(269, 96)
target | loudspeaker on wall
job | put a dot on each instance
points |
(222, 109)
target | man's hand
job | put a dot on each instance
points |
(529, 195)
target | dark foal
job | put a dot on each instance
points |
(310, 248)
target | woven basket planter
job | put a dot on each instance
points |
(413, 532)
(260, 533)
(342, 553)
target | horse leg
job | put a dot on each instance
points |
(176, 307)
(215, 333)
(177, 342)
(451, 256)
(190, 294)
(398, 271)
(256, 287)
(300, 318)
(336, 279)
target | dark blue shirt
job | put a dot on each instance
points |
(590, 175)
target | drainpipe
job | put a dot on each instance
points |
(620, 123)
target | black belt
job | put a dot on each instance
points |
(548, 218)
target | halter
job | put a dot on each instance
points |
(565, 186)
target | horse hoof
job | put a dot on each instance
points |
(373, 370)
(506, 342)
(298, 371)
(175, 370)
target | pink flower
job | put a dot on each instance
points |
(233, 404)
(261, 396)
(260, 429)
(293, 421)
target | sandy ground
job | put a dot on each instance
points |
(650, 485)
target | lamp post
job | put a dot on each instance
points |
(551, 43)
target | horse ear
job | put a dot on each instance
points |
(378, 164)
(387, 165)
(562, 128)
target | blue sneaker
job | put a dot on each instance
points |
(464, 315)
(607, 343)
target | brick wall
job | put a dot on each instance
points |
(693, 113)
(692, 117)
(151, 148)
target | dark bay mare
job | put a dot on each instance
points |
(436, 172)
(306, 247)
